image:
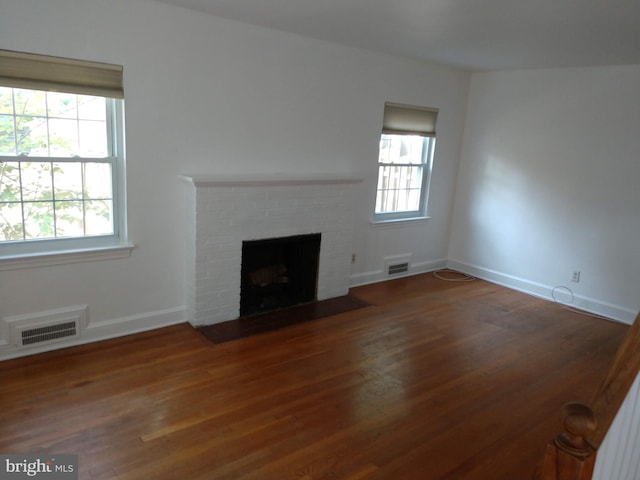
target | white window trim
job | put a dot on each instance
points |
(51, 257)
(56, 251)
(413, 215)
(398, 222)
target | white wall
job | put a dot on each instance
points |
(206, 95)
(550, 183)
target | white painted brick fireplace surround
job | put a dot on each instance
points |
(224, 212)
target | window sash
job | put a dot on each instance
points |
(381, 213)
(398, 195)
(114, 202)
(110, 120)
(62, 204)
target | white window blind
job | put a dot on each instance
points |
(43, 72)
(409, 120)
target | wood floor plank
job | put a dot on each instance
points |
(431, 380)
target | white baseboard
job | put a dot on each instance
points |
(591, 305)
(103, 330)
(376, 276)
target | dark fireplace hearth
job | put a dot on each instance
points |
(278, 273)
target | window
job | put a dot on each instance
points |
(405, 157)
(61, 155)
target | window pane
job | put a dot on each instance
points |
(407, 177)
(38, 220)
(36, 181)
(97, 181)
(401, 149)
(92, 108)
(404, 177)
(414, 179)
(99, 217)
(10, 182)
(11, 224)
(67, 181)
(413, 200)
(29, 102)
(6, 100)
(7, 135)
(63, 137)
(381, 203)
(31, 133)
(401, 200)
(62, 105)
(385, 149)
(390, 200)
(69, 219)
(383, 176)
(414, 146)
(93, 139)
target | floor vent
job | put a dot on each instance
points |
(43, 328)
(32, 336)
(397, 268)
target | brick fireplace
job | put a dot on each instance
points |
(222, 213)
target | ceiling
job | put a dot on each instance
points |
(472, 34)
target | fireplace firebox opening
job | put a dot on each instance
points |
(278, 273)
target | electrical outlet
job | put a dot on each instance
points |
(353, 258)
(576, 276)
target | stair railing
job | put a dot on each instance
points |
(571, 454)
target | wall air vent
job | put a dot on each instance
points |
(32, 336)
(44, 328)
(397, 266)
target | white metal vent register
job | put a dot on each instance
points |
(397, 265)
(31, 336)
(397, 268)
(43, 328)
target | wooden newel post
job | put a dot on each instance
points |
(569, 456)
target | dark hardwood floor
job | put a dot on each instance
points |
(433, 380)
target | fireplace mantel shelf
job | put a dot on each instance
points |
(212, 180)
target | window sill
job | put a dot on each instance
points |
(45, 259)
(398, 222)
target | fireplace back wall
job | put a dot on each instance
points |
(278, 272)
